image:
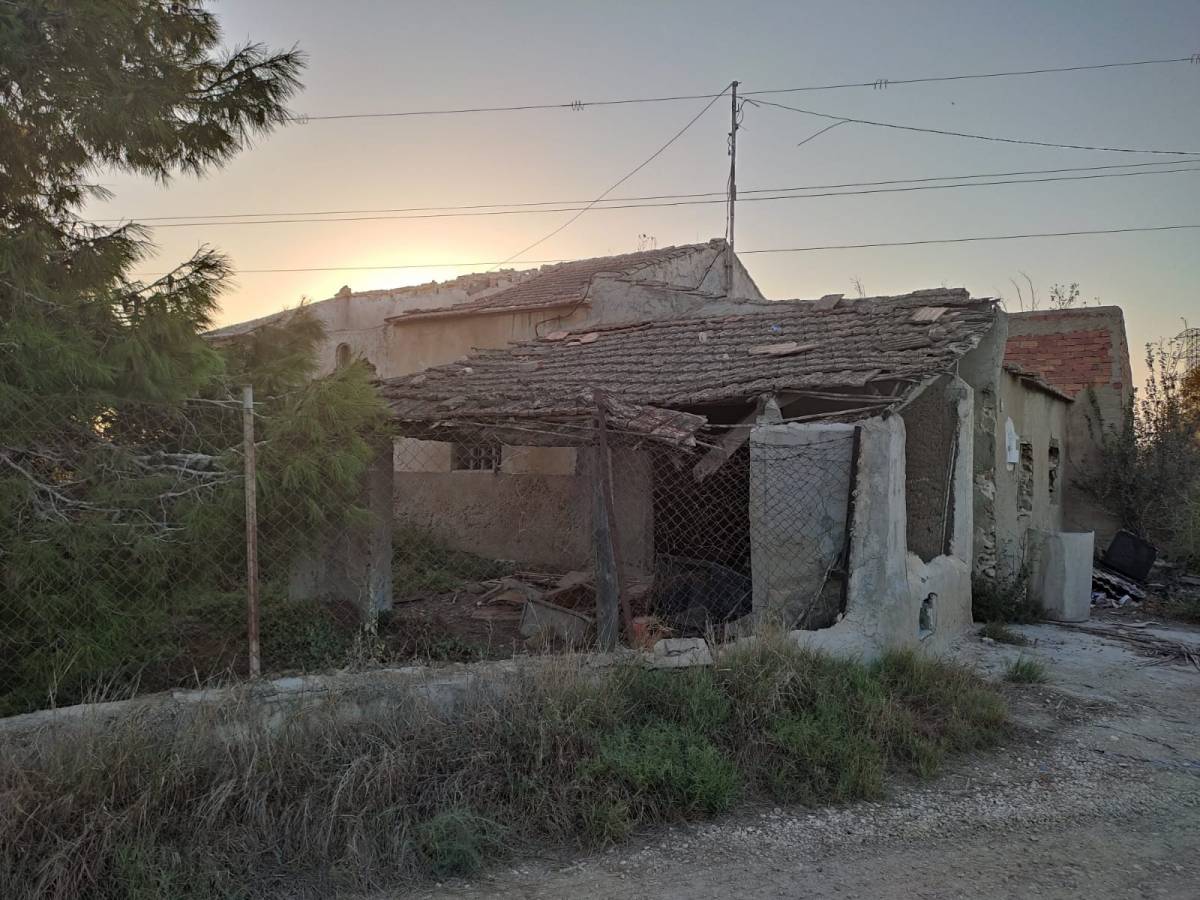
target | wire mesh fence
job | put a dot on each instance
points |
(125, 545)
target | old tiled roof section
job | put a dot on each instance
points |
(559, 284)
(682, 363)
(1069, 360)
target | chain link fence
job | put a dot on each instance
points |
(132, 562)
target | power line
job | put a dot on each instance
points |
(863, 246)
(963, 134)
(969, 240)
(741, 192)
(620, 181)
(877, 83)
(675, 203)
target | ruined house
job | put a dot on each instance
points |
(830, 464)
(1083, 353)
(408, 329)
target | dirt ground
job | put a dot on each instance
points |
(1098, 796)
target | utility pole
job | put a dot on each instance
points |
(733, 129)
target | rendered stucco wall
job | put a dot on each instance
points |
(880, 610)
(1023, 495)
(1011, 497)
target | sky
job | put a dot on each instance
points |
(377, 56)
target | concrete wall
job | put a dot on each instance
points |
(1085, 353)
(535, 510)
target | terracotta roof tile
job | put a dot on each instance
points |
(680, 363)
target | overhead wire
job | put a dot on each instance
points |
(755, 197)
(741, 192)
(877, 83)
(809, 249)
(964, 134)
(620, 181)
(974, 239)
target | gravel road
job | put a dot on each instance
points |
(1097, 797)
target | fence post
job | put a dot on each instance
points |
(610, 599)
(251, 529)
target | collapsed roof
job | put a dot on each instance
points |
(654, 375)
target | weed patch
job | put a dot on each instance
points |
(222, 806)
(1023, 670)
(422, 563)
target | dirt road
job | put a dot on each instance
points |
(1099, 797)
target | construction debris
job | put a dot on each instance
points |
(1112, 589)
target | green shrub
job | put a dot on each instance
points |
(671, 771)
(691, 699)
(826, 755)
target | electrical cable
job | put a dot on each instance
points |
(674, 203)
(964, 134)
(877, 84)
(741, 193)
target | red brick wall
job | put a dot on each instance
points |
(1069, 360)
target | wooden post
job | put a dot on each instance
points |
(611, 600)
(251, 530)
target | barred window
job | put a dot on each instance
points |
(480, 457)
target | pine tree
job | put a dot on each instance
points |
(119, 492)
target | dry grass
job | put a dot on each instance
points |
(225, 807)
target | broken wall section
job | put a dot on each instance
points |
(939, 467)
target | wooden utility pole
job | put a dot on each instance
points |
(733, 130)
(251, 529)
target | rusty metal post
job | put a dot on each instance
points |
(251, 529)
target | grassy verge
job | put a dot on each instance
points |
(318, 807)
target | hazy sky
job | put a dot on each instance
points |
(377, 56)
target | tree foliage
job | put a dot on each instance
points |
(1151, 473)
(120, 498)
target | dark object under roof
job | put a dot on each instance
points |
(652, 373)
